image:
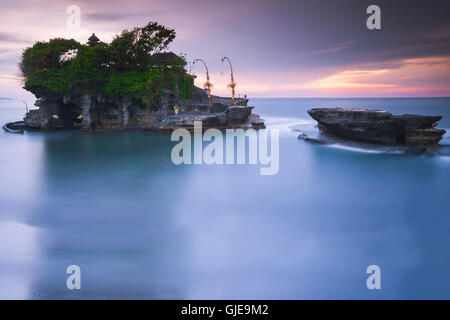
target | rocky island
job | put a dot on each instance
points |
(130, 83)
(378, 126)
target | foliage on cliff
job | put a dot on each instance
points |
(127, 65)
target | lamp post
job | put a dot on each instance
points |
(207, 85)
(232, 84)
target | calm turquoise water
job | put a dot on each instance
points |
(141, 227)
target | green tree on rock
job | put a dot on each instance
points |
(133, 63)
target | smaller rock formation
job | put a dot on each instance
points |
(378, 126)
(216, 115)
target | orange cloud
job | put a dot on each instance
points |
(421, 75)
(349, 79)
(426, 76)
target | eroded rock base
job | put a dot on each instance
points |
(378, 126)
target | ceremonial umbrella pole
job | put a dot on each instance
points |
(232, 84)
(207, 85)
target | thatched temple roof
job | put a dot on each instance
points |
(93, 40)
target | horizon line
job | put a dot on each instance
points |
(434, 97)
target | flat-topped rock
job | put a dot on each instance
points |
(212, 116)
(378, 126)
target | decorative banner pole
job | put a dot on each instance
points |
(207, 85)
(232, 84)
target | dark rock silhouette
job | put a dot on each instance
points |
(93, 40)
(88, 112)
(378, 126)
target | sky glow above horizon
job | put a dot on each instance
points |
(282, 48)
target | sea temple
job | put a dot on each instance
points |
(130, 83)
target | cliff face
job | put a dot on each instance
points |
(91, 112)
(95, 112)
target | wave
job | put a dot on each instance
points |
(362, 149)
(287, 126)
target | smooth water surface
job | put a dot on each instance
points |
(141, 227)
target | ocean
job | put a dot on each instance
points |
(141, 227)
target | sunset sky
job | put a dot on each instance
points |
(283, 48)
